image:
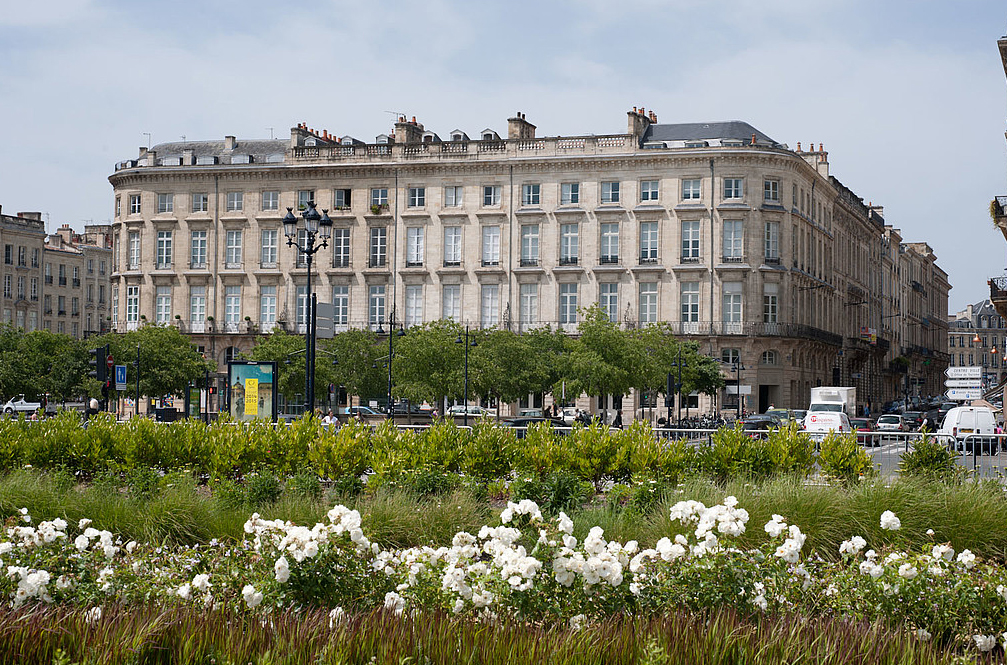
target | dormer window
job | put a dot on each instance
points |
(696, 144)
(428, 139)
(731, 144)
(488, 136)
(457, 137)
(310, 142)
(381, 138)
(241, 159)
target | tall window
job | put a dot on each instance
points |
(340, 248)
(529, 304)
(732, 240)
(162, 304)
(732, 306)
(163, 249)
(379, 246)
(568, 303)
(414, 305)
(235, 201)
(610, 243)
(489, 305)
(134, 204)
(451, 300)
(771, 191)
(118, 207)
(197, 253)
(414, 246)
(232, 248)
(491, 245)
(379, 197)
(690, 302)
(270, 248)
(568, 244)
(267, 308)
(34, 289)
(608, 299)
(115, 305)
(649, 190)
(341, 199)
(733, 188)
(648, 302)
(452, 196)
(531, 195)
(610, 192)
(491, 195)
(301, 307)
(200, 202)
(134, 250)
(271, 200)
(132, 304)
(690, 242)
(7, 290)
(376, 305)
(232, 307)
(417, 197)
(165, 203)
(452, 245)
(569, 193)
(305, 196)
(770, 302)
(529, 245)
(772, 241)
(648, 242)
(691, 189)
(340, 306)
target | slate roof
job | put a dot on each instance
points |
(707, 131)
(258, 148)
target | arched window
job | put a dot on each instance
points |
(230, 353)
(769, 357)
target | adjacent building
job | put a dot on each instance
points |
(23, 239)
(976, 338)
(747, 246)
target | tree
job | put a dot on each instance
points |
(168, 361)
(287, 351)
(43, 362)
(357, 352)
(428, 363)
(604, 360)
(506, 366)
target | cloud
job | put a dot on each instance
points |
(20, 13)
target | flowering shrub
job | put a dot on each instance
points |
(529, 567)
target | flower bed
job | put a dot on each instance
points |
(526, 569)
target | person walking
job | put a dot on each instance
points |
(618, 419)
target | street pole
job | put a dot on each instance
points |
(465, 404)
(137, 409)
(391, 325)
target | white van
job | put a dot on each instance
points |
(965, 423)
(819, 423)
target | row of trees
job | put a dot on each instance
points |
(428, 361)
(43, 362)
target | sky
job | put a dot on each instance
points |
(908, 96)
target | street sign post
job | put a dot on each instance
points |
(963, 372)
(963, 394)
(324, 314)
(120, 377)
(963, 383)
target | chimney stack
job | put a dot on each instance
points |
(408, 132)
(639, 121)
(519, 128)
(229, 143)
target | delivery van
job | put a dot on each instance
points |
(819, 423)
(966, 425)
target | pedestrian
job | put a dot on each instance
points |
(618, 419)
(925, 425)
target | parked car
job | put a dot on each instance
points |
(522, 423)
(781, 416)
(473, 410)
(912, 420)
(971, 424)
(891, 423)
(799, 415)
(530, 413)
(819, 423)
(862, 426)
(364, 412)
(758, 426)
(20, 405)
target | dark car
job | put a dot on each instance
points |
(522, 423)
(862, 426)
(912, 419)
(758, 427)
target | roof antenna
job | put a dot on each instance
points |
(147, 134)
(270, 133)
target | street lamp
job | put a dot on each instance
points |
(737, 367)
(678, 386)
(465, 417)
(320, 226)
(391, 352)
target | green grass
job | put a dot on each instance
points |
(150, 635)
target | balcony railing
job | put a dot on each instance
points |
(647, 259)
(452, 264)
(772, 260)
(568, 260)
(489, 263)
(62, 281)
(690, 259)
(340, 262)
(732, 259)
(48, 279)
(528, 262)
(609, 260)
(998, 288)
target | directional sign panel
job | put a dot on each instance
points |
(962, 394)
(120, 377)
(963, 372)
(963, 383)
(324, 313)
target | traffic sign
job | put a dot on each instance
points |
(963, 383)
(963, 372)
(110, 361)
(962, 394)
(120, 377)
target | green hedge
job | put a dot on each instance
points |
(594, 454)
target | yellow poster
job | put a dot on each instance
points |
(251, 397)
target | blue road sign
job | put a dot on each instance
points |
(120, 377)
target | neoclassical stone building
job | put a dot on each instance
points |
(747, 246)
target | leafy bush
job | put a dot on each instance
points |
(597, 453)
(843, 458)
(931, 459)
(262, 489)
(791, 450)
(489, 451)
(341, 453)
(304, 485)
(554, 492)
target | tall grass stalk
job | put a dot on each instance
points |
(151, 635)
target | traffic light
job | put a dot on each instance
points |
(99, 369)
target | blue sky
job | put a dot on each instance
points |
(909, 98)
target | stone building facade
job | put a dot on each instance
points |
(23, 238)
(76, 278)
(745, 245)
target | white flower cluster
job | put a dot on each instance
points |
(102, 539)
(30, 584)
(853, 546)
(523, 507)
(890, 522)
(45, 533)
